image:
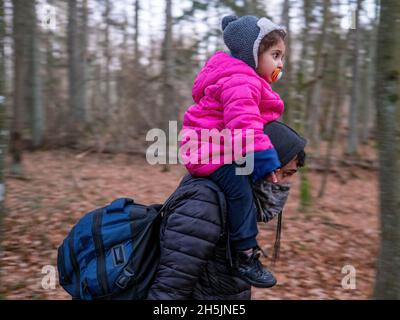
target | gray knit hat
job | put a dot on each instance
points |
(243, 36)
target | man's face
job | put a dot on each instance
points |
(285, 174)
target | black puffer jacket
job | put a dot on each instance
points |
(193, 262)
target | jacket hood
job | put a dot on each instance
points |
(219, 66)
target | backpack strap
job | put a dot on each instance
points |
(166, 203)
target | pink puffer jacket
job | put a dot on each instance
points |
(228, 94)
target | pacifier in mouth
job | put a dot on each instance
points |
(276, 75)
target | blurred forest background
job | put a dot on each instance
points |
(83, 81)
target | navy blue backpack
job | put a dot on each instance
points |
(112, 252)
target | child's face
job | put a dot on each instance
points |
(271, 59)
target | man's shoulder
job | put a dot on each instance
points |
(199, 198)
(199, 186)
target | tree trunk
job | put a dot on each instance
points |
(136, 37)
(370, 107)
(337, 107)
(107, 53)
(83, 45)
(19, 94)
(303, 73)
(287, 81)
(387, 93)
(35, 105)
(353, 142)
(137, 108)
(254, 7)
(75, 73)
(168, 105)
(316, 83)
(3, 123)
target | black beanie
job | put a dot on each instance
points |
(287, 142)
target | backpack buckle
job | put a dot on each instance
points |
(118, 255)
(124, 278)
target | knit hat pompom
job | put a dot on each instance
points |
(226, 20)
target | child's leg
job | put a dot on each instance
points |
(241, 211)
(242, 222)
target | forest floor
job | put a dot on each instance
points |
(340, 229)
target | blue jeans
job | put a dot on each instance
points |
(241, 210)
